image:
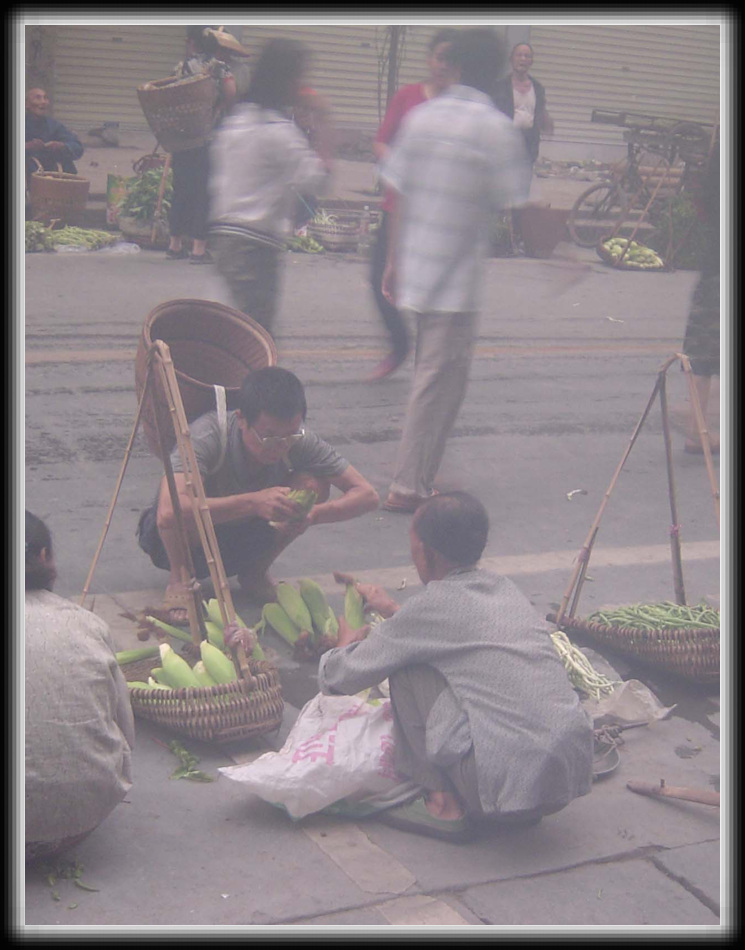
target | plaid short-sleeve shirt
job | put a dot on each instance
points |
(455, 162)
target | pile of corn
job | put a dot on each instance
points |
(214, 667)
(635, 255)
(305, 498)
(304, 619)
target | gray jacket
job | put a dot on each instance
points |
(509, 695)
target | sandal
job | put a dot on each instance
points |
(416, 818)
(177, 255)
(173, 603)
(405, 504)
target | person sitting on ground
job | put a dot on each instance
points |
(79, 726)
(486, 720)
(267, 452)
(48, 142)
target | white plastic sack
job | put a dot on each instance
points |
(340, 748)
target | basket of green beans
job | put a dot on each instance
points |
(679, 639)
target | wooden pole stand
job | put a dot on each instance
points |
(578, 575)
(159, 361)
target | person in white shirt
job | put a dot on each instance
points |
(260, 162)
(456, 162)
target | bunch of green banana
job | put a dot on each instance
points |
(634, 255)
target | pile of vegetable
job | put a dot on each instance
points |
(303, 618)
(141, 201)
(661, 616)
(304, 244)
(39, 237)
(172, 671)
(637, 256)
(582, 675)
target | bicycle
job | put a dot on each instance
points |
(600, 212)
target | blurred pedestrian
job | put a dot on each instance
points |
(261, 163)
(441, 75)
(456, 162)
(49, 143)
(312, 115)
(79, 729)
(208, 51)
(523, 99)
(701, 342)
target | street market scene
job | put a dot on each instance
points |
(373, 563)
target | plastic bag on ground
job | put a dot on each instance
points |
(340, 749)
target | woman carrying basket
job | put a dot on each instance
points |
(207, 51)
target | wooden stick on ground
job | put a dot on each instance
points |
(702, 795)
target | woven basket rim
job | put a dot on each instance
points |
(61, 176)
(157, 85)
(241, 321)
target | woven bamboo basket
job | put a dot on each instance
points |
(227, 713)
(211, 344)
(690, 653)
(58, 196)
(180, 112)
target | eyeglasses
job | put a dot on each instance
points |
(271, 441)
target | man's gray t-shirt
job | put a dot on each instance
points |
(233, 477)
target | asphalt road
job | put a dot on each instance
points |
(567, 358)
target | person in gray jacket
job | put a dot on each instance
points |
(486, 720)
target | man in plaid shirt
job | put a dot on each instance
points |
(457, 160)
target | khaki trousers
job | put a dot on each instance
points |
(443, 355)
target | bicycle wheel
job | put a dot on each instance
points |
(595, 214)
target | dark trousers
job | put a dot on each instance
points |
(392, 318)
(190, 203)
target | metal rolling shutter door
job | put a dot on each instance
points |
(98, 69)
(657, 69)
(345, 66)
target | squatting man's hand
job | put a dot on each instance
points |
(272, 504)
(347, 635)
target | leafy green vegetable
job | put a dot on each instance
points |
(141, 201)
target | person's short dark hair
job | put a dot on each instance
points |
(275, 76)
(479, 54)
(521, 43)
(445, 35)
(455, 524)
(39, 574)
(273, 390)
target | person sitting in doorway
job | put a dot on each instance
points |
(49, 143)
(486, 719)
(248, 472)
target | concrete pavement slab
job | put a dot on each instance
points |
(621, 894)
(697, 868)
